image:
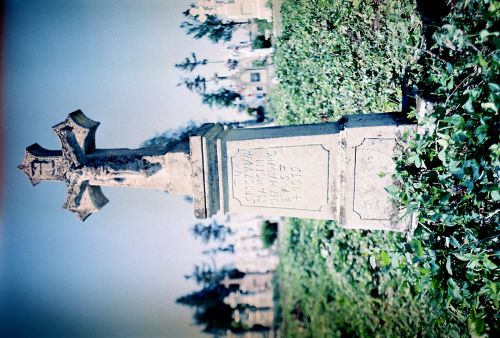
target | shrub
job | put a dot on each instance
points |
(450, 172)
(269, 233)
(445, 280)
(343, 57)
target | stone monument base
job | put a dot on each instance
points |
(334, 171)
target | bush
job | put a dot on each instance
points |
(261, 42)
(450, 172)
(343, 57)
(445, 280)
(269, 233)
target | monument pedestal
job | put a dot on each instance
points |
(335, 171)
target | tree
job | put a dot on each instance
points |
(191, 62)
(197, 84)
(210, 310)
(213, 27)
(213, 251)
(232, 64)
(222, 97)
(211, 231)
(170, 138)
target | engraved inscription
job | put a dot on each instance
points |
(43, 168)
(294, 177)
(373, 170)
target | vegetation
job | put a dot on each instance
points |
(215, 29)
(197, 84)
(211, 231)
(335, 59)
(170, 138)
(332, 285)
(222, 97)
(260, 42)
(191, 62)
(263, 26)
(210, 311)
(450, 172)
(269, 233)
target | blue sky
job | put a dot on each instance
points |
(119, 273)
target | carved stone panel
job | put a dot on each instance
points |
(281, 177)
(372, 173)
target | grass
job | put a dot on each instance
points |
(331, 284)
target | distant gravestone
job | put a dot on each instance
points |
(336, 171)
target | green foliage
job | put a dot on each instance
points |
(214, 28)
(269, 233)
(444, 281)
(197, 84)
(222, 97)
(339, 282)
(337, 57)
(211, 231)
(190, 63)
(170, 138)
(263, 26)
(450, 171)
(260, 42)
(210, 311)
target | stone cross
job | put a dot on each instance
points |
(335, 171)
(85, 169)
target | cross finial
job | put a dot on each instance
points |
(77, 136)
(41, 164)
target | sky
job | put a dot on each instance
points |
(119, 273)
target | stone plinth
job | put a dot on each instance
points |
(335, 171)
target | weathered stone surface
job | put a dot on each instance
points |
(281, 174)
(369, 144)
(85, 168)
(335, 171)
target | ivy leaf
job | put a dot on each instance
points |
(489, 105)
(482, 62)
(488, 264)
(494, 87)
(476, 326)
(495, 195)
(448, 265)
(392, 190)
(384, 259)
(454, 290)
(461, 257)
(468, 106)
(417, 248)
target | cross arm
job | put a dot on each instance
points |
(77, 136)
(84, 199)
(41, 164)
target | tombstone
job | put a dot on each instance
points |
(251, 282)
(334, 171)
(255, 299)
(251, 317)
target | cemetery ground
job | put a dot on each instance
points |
(334, 59)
